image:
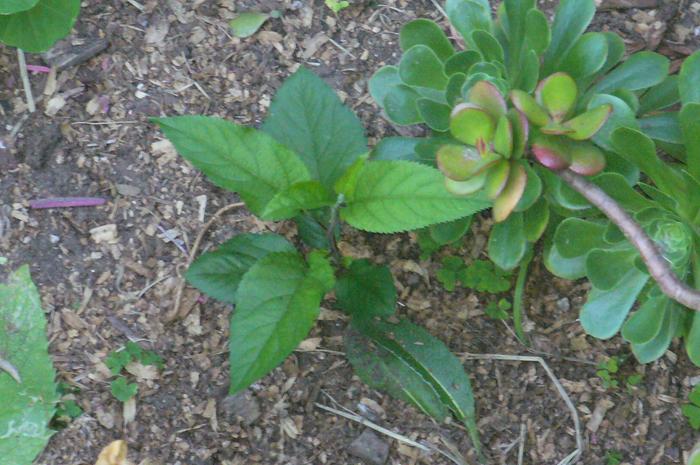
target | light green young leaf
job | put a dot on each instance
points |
(27, 386)
(219, 273)
(409, 363)
(605, 311)
(366, 290)
(571, 20)
(394, 196)
(305, 195)
(426, 32)
(236, 158)
(307, 116)
(8, 7)
(35, 30)
(246, 24)
(277, 304)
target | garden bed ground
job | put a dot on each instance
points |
(177, 57)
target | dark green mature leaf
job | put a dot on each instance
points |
(692, 340)
(663, 127)
(219, 273)
(657, 347)
(452, 231)
(8, 7)
(400, 105)
(311, 230)
(468, 16)
(27, 386)
(277, 303)
(587, 56)
(606, 268)
(426, 32)
(507, 243)
(621, 116)
(248, 23)
(35, 30)
(436, 115)
(122, 390)
(489, 47)
(409, 363)
(567, 268)
(307, 116)
(394, 196)
(690, 123)
(571, 20)
(537, 31)
(421, 67)
(640, 150)
(306, 195)
(536, 220)
(516, 20)
(381, 83)
(397, 148)
(236, 158)
(575, 237)
(689, 78)
(617, 187)
(484, 276)
(366, 290)
(640, 71)
(462, 62)
(605, 311)
(645, 324)
(660, 96)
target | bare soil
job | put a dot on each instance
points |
(177, 57)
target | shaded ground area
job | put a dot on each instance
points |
(177, 57)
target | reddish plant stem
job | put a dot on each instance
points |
(657, 265)
(66, 202)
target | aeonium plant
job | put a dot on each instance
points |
(579, 96)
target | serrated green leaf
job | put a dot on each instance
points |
(321, 269)
(571, 20)
(9, 7)
(310, 229)
(122, 390)
(236, 158)
(421, 67)
(393, 196)
(117, 360)
(35, 30)
(507, 243)
(366, 290)
(27, 386)
(219, 273)
(246, 24)
(277, 304)
(307, 116)
(689, 78)
(468, 16)
(426, 32)
(414, 366)
(484, 276)
(305, 195)
(605, 311)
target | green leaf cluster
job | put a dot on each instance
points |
(34, 25)
(117, 360)
(310, 164)
(691, 410)
(27, 387)
(480, 275)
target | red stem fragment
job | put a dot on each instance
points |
(66, 202)
(657, 265)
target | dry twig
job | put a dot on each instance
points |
(25, 80)
(576, 454)
(175, 311)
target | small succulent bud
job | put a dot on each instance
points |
(557, 94)
(469, 123)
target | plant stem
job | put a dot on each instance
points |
(25, 80)
(657, 265)
(330, 232)
(518, 298)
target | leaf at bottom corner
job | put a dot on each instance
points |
(26, 407)
(407, 362)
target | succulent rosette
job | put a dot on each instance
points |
(494, 140)
(560, 141)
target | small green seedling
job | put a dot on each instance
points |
(499, 310)
(480, 275)
(67, 408)
(607, 371)
(337, 5)
(117, 361)
(613, 457)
